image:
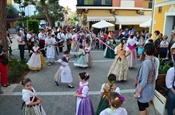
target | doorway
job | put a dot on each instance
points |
(169, 25)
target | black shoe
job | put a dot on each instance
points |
(8, 84)
(56, 83)
(69, 86)
(5, 85)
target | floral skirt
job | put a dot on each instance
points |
(120, 69)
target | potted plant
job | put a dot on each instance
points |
(163, 68)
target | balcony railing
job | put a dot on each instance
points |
(94, 2)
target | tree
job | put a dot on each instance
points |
(73, 19)
(3, 4)
(43, 4)
(11, 11)
(54, 9)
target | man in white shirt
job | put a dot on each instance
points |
(42, 37)
(30, 40)
(60, 41)
(69, 39)
(170, 84)
(21, 45)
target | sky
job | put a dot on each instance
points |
(70, 3)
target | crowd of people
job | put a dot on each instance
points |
(126, 49)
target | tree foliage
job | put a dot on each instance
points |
(54, 9)
(11, 11)
(32, 24)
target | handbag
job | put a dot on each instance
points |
(4, 60)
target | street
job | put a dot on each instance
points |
(59, 100)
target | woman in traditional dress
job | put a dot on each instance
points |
(83, 104)
(74, 41)
(120, 65)
(50, 42)
(31, 102)
(36, 61)
(88, 55)
(80, 61)
(64, 72)
(109, 53)
(116, 100)
(3, 66)
(106, 89)
(132, 58)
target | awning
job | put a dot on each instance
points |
(102, 24)
(99, 18)
(131, 20)
(146, 24)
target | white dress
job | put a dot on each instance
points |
(132, 58)
(29, 96)
(65, 71)
(50, 49)
(34, 62)
(118, 111)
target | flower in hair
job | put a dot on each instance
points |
(122, 98)
(86, 74)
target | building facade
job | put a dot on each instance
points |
(122, 13)
(164, 17)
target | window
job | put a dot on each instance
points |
(160, 9)
(150, 4)
(94, 2)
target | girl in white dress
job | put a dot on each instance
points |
(34, 62)
(31, 102)
(64, 72)
(116, 102)
(50, 52)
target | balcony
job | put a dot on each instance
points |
(94, 2)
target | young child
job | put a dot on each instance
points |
(88, 55)
(84, 104)
(80, 61)
(116, 101)
(31, 102)
(64, 72)
(106, 89)
(35, 62)
(50, 53)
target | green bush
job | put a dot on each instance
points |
(16, 70)
(164, 67)
(32, 24)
